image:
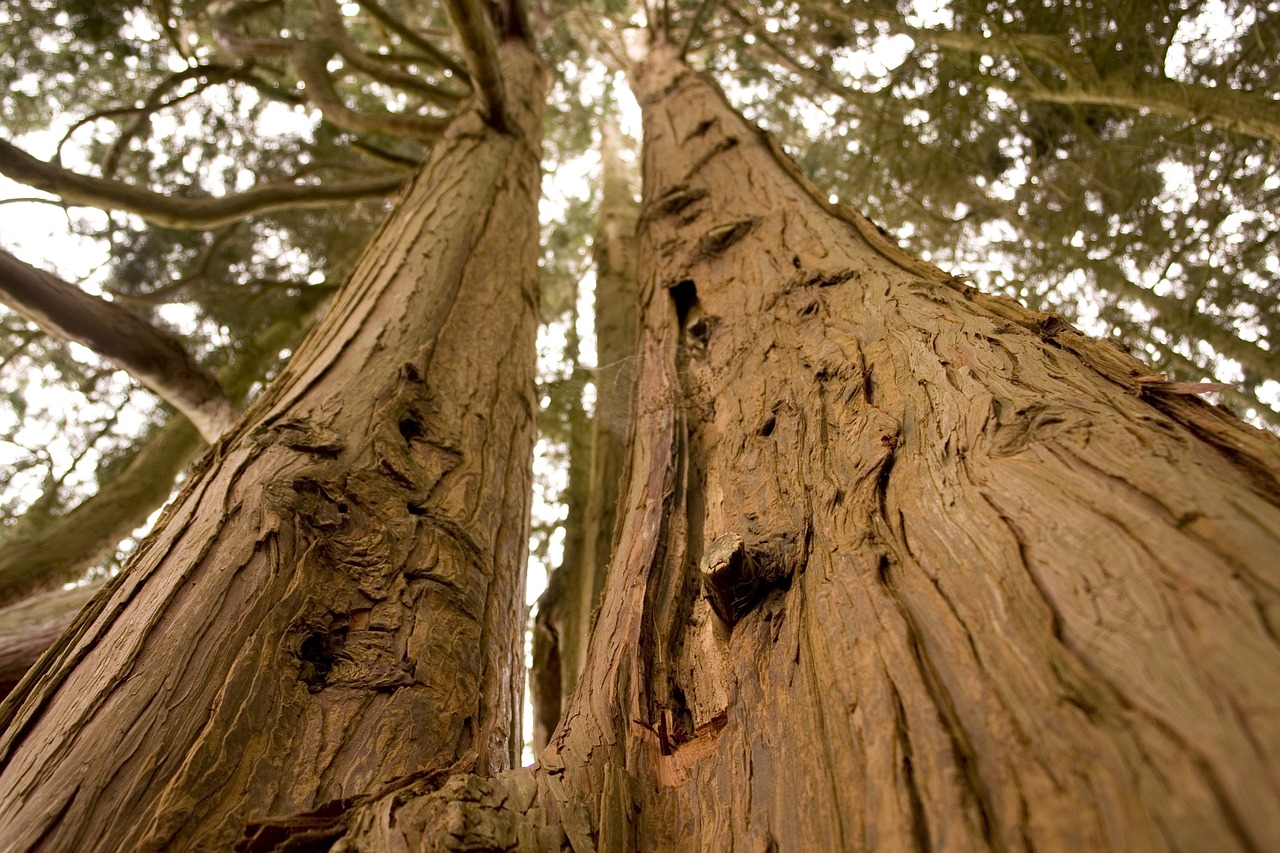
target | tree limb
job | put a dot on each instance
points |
(379, 67)
(481, 46)
(183, 213)
(29, 627)
(63, 548)
(414, 37)
(155, 358)
(1245, 113)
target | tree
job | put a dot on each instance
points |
(862, 554)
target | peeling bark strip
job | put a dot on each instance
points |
(335, 601)
(1010, 602)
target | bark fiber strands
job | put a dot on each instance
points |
(919, 558)
(335, 602)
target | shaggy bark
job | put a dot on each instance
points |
(902, 566)
(334, 603)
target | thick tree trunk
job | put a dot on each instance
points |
(902, 566)
(335, 602)
(930, 564)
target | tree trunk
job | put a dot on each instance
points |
(335, 602)
(562, 626)
(30, 627)
(933, 566)
(902, 566)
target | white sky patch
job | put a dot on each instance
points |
(930, 13)
(1207, 37)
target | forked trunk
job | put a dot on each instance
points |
(335, 602)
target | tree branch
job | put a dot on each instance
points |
(311, 61)
(415, 38)
(1245, 113)
(481, 46)
(61, 549)
(379, 67)
(153, 357)
(30, 627)
(183, 213)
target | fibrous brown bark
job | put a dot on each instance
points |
(932, 564)
(902, 566)
(334, 604)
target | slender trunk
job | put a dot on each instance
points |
(553, 624)
(334, 603)
(563, 624)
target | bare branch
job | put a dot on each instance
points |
(153, 357)
(705, 8)
(481, 46)
(416, 38)
(156, 101)
(183, 213)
